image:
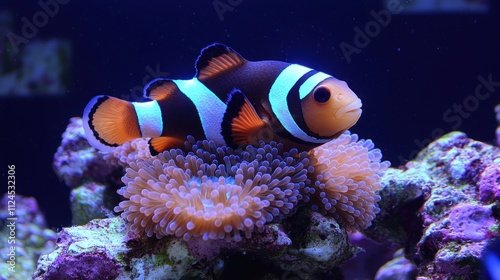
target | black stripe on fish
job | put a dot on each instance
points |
(295, 108)
(179, 112)
(234, 104)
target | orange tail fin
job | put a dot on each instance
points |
(109, 122)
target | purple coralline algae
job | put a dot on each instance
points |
(489, 189)
(104, 248)
(442, 207)
(25, 238)
(76, 161)
(497, 112)
(91, 177)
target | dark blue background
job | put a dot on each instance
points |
(412, 72)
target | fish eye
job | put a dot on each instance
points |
(321, 95)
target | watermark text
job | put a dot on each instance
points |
(136, 93)
(363, 37)
(12, 218)
(30, 28)
(457, 113)
(222, 7)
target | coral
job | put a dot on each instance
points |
(92, 176)
(497, 112)
(85, 252)
(451, 191)
(214, 193)
(83, 266)
(457, 157)
(346, 178)
(76, 160)
(313, 235)
(91, 201)
(103, 247)
(401, 195)
(128, 152)
(30, 237)
(220, 193)
(489, 184)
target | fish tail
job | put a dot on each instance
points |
(109, 122)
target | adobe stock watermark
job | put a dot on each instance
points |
(30, 28)
(225, 6)
(11, 220)
(457, 113)
(363, 37)
(136, 93)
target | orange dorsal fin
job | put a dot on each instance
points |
(241, 122)
(216, 59)
(163, 143)
(159, 89)
(109, 122)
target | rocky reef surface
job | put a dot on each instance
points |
(104, 249)
(26, 237)
(88, 174)
(441, 209)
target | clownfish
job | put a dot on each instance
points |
(231, 101)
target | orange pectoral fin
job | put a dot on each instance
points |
(163, 143)
(241, 122)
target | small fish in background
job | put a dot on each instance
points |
(490, 266)
(231, 101)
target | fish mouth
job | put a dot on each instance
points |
(352, 107)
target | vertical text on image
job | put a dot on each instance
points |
(12, 218)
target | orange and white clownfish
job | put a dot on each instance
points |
(231, 101)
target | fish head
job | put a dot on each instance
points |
(331, 108)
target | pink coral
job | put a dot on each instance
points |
(220, 193)
(346, 178)
(130, 151)
(213, 193)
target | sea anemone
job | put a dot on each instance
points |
(128, 152)
(345, 180)
(220, 193)
(211, 192)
